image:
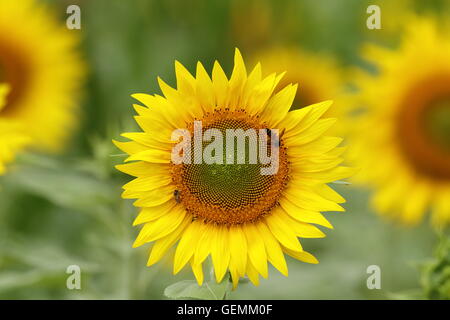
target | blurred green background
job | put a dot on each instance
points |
(57, 211)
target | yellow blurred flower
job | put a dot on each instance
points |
(318, 75)
(11, 138)
(256, 13)
(392, 15)
(402, 141)
(44, 71)
(243, 219)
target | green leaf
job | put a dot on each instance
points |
(436, 273)
(190, 289)
(61, 184)
(16, 279)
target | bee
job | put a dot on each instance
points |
(269, 134)
(177, 195)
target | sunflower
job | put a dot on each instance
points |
(39, 61)
(11, 137)
(231, 212)
(402, 138)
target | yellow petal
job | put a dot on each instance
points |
(306, 230)
(141, 168)
(308, 200)
(308, 164)
(273, 249)
(220, 85)
(282, 231)
(252, 274)
(155, 197)
(159, 112)
(256, 249)
(293, 118)
(238, 249)
(159, 130)
(153, 213)
(312, 133)
(253, 80)
(314, 148)
(278, 106)
(205, 244)
(185, 81)
(170, 93)
(161, 246)
(130, 147)
(220, 252)
(304, 215)
(197, 269)
(187, 245)
(301, 229)
(161, 227)
(328, 193)
(204, 89)
(327, 176)
(261, 94)
(316, 111)
(146, 99)
(237, 81)
(146, 139)
(148, 183)
(152, 156)
(235, 274)
(302, 256)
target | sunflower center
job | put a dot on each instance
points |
(13, 71)
(438, 123)
(235, 193)
(424, 127)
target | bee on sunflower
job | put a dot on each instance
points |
(44, 72)
(401, 140)
(231, 212)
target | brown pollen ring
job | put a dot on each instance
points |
(15, 72)
(427, 157)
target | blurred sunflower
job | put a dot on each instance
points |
(233, 213)
(258, 14)
(402, 141)
(391, 23)
(11, 138)
(44, 71)
(319, 76)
